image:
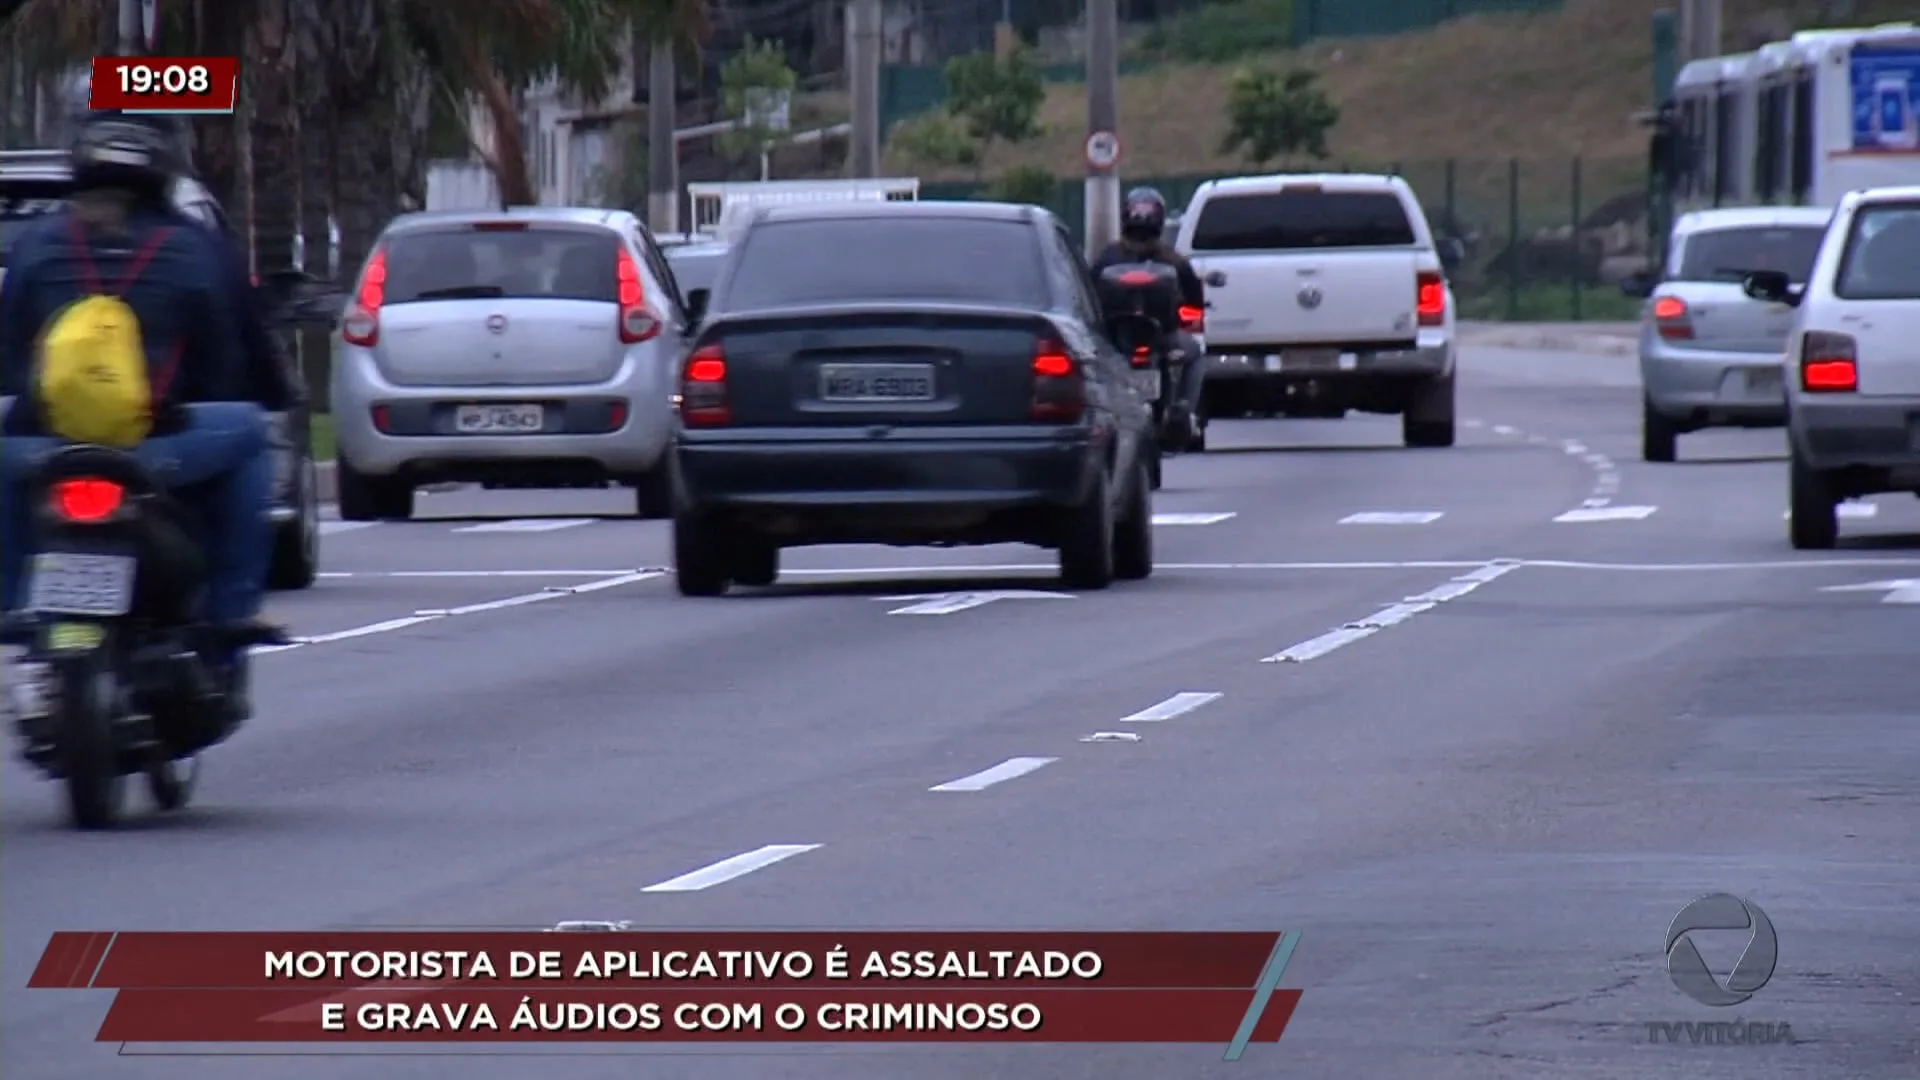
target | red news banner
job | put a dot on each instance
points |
(165, 84)
(645, 986)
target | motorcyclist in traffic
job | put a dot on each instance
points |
(209, 437)
(1143, 221)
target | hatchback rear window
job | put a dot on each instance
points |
(529, 263)
(1303, 218)
(1731, 254)
(1882, 259)
(890, 257)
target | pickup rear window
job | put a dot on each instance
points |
(464, 263)
(1879, 263)
(1306, 218)
(888, 257)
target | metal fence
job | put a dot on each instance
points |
(1363, 18)
(1539, 240)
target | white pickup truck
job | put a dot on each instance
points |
(1325, 294)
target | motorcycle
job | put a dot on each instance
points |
(1145, 318)
(124, 684)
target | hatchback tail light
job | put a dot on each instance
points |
(362, 324)
(1430, 298)
(1828, 363)
(1672, 319)
(1059, 392)
(87, 501)
(637, 321)
(1193, 319)
(703, 389)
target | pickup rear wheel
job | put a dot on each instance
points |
(700, 556)
(756, 561)
(1428, 420)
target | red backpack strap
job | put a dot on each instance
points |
(85, 249)
(142, 257)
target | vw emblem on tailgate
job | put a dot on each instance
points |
(1310, 297)
(497, 323)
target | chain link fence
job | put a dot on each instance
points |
(1540, 240)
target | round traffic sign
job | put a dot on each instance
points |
(1103, 149)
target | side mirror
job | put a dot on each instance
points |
(1638, 285)
(696, 307)
(1770, 286)
(1216, 278)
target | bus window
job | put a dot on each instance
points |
(1800, 172)
(1724, 116)
(1765, 149)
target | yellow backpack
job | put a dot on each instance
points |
(91, 373)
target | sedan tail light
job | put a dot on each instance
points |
(1059, 389)
(703, 389)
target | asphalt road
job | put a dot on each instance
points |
(1481, 810)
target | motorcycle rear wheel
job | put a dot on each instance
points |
(89, 758)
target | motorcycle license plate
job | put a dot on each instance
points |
(69, 583)
(1147, 383)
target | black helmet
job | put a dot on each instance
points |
(137, 153)
(1143, 216)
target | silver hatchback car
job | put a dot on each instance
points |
(1711, 356)
(528, 348)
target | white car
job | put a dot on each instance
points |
(1852, 362)
(1325, 294)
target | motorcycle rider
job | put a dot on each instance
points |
(209, 432)
(1143, 221)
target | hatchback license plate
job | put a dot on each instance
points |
(68, 583)
(853, 384)
(499, 419)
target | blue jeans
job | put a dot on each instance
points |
(222, 448)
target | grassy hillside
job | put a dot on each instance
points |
(1478, 89)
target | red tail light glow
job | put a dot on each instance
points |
(1671, 319)
(1142, 357)
(87, 501)
(1430, 298)
(1059, 395)
(362, 324)
(637, 321)
(1136, 277)
(1828, 364)
(703, 389)
(1193, 319)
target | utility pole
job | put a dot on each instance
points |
(1103, 122)
(130, 35)
(663, 150)
(1700, 29)
(863, 85)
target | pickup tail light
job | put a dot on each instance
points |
(362, 325)
(1430, 298)
(703, 398)
(87, 501)
(1059, 394)
(637, 321)
(1672, 319)
(1193, 319)
(1828, 363)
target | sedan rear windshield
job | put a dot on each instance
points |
(1307, 217)
(887, 258)
(460, 263)
(1882, 260)
(1731, 254)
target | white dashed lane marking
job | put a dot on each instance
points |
(999, 774)
(729, 868)
(1585, 514)
(1178, 705)
(1192, 519)
(1393, 517)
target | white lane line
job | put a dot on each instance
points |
(486, 573)
(1503, 429)
(1602, 512)
(999, 774)
(1178, 705)
(526, 525)
(333, 528)
(1391, 615)
(1393, 517)
(1008, 568)
(551, 592)
(1192, 519)
(1111, 736)
(729, 868)
(1856, 511)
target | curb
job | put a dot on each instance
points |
(1615, 340)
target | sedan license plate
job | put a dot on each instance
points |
(855, 384)
(499, 419)
(68, 583)
(1310, 359)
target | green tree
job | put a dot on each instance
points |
(1272, 114)
(1024, 184)
(998, 99)
(938, 139)
(754, 83)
